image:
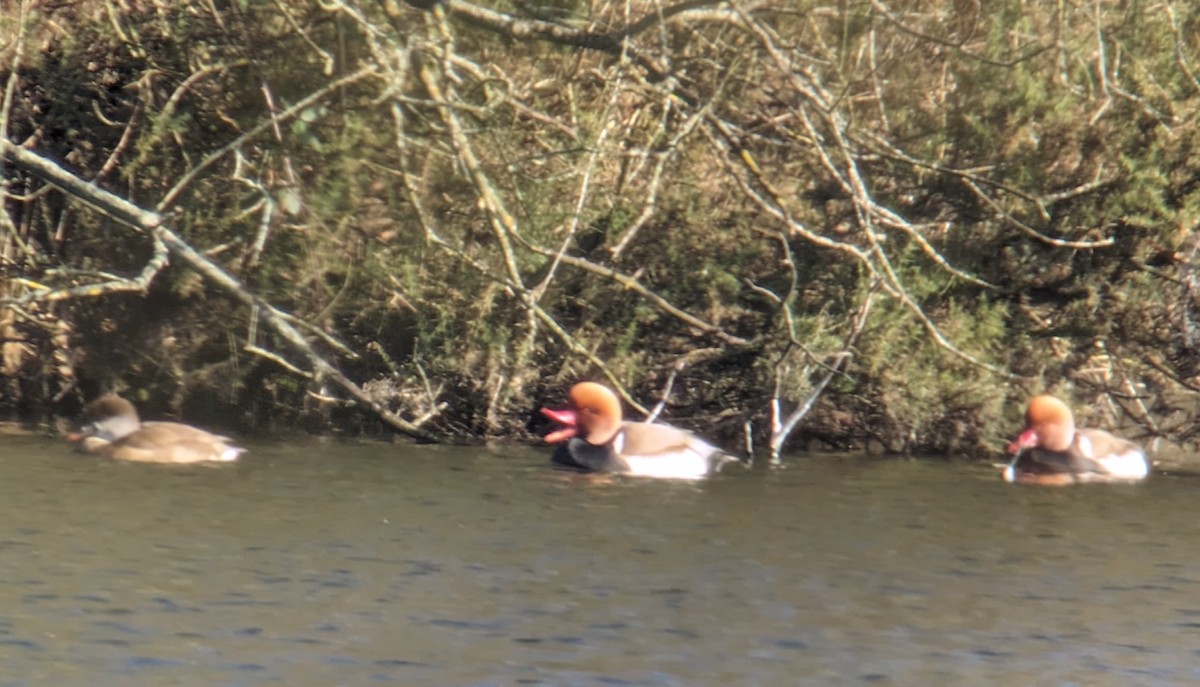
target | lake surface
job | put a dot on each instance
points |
(333, 564)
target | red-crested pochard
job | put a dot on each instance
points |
(114, 431)
(1052, 451)
(593, 438)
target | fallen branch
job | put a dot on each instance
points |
(152, 224)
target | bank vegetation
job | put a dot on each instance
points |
(885, 223)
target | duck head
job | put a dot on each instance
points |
(1049, 424)
(109, 418)
(594, 415)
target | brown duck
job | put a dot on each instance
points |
(115, 431)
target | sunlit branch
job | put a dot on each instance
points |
(500, 219)
(154, 225)
(782, 428)
(428, 225)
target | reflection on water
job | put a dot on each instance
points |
(323, 564)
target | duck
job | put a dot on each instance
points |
(115, 431)
(593, 437)
(1051, 451)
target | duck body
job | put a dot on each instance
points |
(116, 432)
(593, 438)
(1051, 451)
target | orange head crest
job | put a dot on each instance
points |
(595, 415)
(1049, 424)
(599, 411)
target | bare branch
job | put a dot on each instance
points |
(1030, 231)
(152, 223)
(500, 219)
(1028, 55)
(1180, 52)
(637, 287)
(270, 123)
(139, 284)
(613, 43)
(781, 428)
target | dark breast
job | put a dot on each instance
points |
(577, 454)
(1042, 461)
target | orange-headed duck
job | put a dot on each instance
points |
(114, 431)
(593, 438)
(1051, 451)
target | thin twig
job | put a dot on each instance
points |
(170, 197)
(666, 394)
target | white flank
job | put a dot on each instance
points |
(1129, 465)
(675, 465)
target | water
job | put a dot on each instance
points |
(329, 564)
